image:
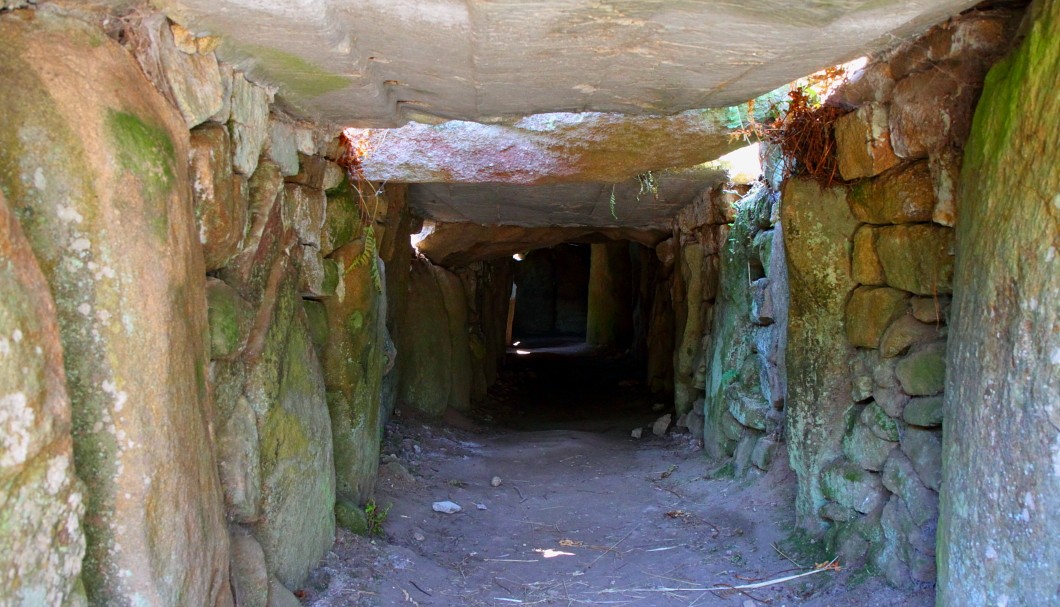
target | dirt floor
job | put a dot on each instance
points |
(561, 506)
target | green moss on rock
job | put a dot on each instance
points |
(295, 74)
(923, 371)
(147, 152)
(350, 517)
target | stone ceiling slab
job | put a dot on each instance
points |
(374, 63)
(555, 147)
(565, 204)
(458, 244)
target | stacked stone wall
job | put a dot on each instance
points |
(874, 483)
(731, 306)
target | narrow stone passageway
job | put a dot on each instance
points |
(559, 505)
(476, 302)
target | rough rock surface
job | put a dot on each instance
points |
(354, 361)
(459, 244)
(220, 196)
(479, 60)
(564, 204)
(41, 499)
(297, 524)
(997, 528)
(818, 228)
(96, 161)
(433, 368)
(555, 147)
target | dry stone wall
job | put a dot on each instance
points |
(731, 308)
(866, 427)
(849, 374)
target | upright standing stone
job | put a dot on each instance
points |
(998, 527)
(423, 343)
(41, 501)
(94, 162)
(354, 359)
(818, 232)
(609, 321)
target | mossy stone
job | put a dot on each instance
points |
(818, 228)
(923, 371)
(865, 449)
(350, 517)
(229, 317)
(317, 319)
(297, 526)
(906, 332)
(1002, 393)
(926, 411)
(881, 424)
(354, 359)
(850, 485)
(93, 162)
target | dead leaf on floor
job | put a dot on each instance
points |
(459, 484)
(669, 471)
(678, 514)
(571, 543)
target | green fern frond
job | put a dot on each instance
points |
(370, 257)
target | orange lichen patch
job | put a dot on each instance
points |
(357, 145)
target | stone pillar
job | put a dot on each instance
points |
(94, 163)
(998, 526)
(610, 318)
(818, 228)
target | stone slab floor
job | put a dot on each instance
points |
(584, 514)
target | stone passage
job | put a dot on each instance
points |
(218, 284)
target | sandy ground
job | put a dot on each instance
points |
(583, 515)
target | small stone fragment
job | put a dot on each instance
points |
(853, 487)
(495, 481)
(446, 507)
(637, 432)
(930, 309)
(661, 425)
(481, 506)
